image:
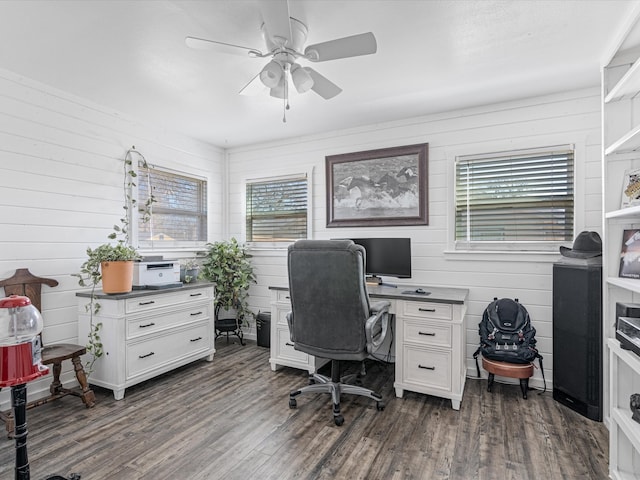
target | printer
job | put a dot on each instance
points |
(156, 274)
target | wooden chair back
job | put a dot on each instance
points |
(24, 283)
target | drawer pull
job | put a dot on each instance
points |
(288, 297)
(195, 339)
(426, 368)
(147, 355)
(429, 334)
(146, 325)
(195, 294)
(289, 344)
(196, 313)
(426, 309)
(150, 302)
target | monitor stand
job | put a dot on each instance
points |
(375, 280)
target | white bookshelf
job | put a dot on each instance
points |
(621, 151)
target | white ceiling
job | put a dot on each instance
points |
(433, 56)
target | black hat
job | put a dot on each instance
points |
(586, 245)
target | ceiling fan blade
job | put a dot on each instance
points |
(254, 87)
(204, 44)
(322, 85)
(275, 14)
(361, 44)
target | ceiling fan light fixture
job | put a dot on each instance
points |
(271, 74)
(279, 90)
(301, 78)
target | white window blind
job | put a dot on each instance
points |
(522, 196)
(179, 213)
(276, 210)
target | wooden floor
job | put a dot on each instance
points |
(229, 419)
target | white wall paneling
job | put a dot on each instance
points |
(61, 189)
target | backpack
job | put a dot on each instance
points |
(506, 334)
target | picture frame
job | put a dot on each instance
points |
(382, 187)
(630, 254)
(631, 188)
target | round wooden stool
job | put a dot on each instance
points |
(512, 370)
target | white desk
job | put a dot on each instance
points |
(429, 337)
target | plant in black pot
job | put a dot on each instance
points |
(227, 264)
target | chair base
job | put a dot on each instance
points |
(335, 387)
(511, 370)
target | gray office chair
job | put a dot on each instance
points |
(331, 315)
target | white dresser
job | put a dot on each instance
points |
(149, 332)
(429, 337)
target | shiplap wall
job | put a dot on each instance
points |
(61, 190)
(568, 118)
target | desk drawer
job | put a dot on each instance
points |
(427, 333)
(283, 296)
(150, 302)
(147, 355)
(148, 324)
(426, 367)
(286, 350)
(440, 311)
(281, 316)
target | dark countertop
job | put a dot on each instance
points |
(143, 292)
(407, 292)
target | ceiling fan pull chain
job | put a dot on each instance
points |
(285, 99)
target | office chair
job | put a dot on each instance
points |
(331, 315)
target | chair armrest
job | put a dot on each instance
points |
(380, 315)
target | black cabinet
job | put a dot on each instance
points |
(577, 335)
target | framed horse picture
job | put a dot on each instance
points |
(384, 187)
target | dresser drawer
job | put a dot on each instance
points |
(281, 316)
(283, 296)
(150, 302)
(148, 324)
(427, 333)
(149, 354)
(427, 368)
(286, 350)
(440, 311)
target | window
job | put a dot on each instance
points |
(277, 209)
(509, 197)
(179, 216)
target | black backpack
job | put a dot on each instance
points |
(506, 334)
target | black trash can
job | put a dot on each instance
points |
(263, 328)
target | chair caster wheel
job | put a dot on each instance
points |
(339, 419)
(380, 406)
(293, 403)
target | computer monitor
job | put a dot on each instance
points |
(390, 257)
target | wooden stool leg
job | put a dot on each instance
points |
(490, 382)
(56, 385)
(88, 397)
(524, 386)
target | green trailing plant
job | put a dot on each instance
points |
(130, 201)
(90, 274)
(227, 264)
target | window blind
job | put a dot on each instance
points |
(277, 210)
(515, 197)
(179, 212)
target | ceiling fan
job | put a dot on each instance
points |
(285, 37)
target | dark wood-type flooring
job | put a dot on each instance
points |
(230, 419)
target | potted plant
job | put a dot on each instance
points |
(112, 263)
(227, 265)
(189, 269)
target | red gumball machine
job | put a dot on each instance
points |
(20, 362)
